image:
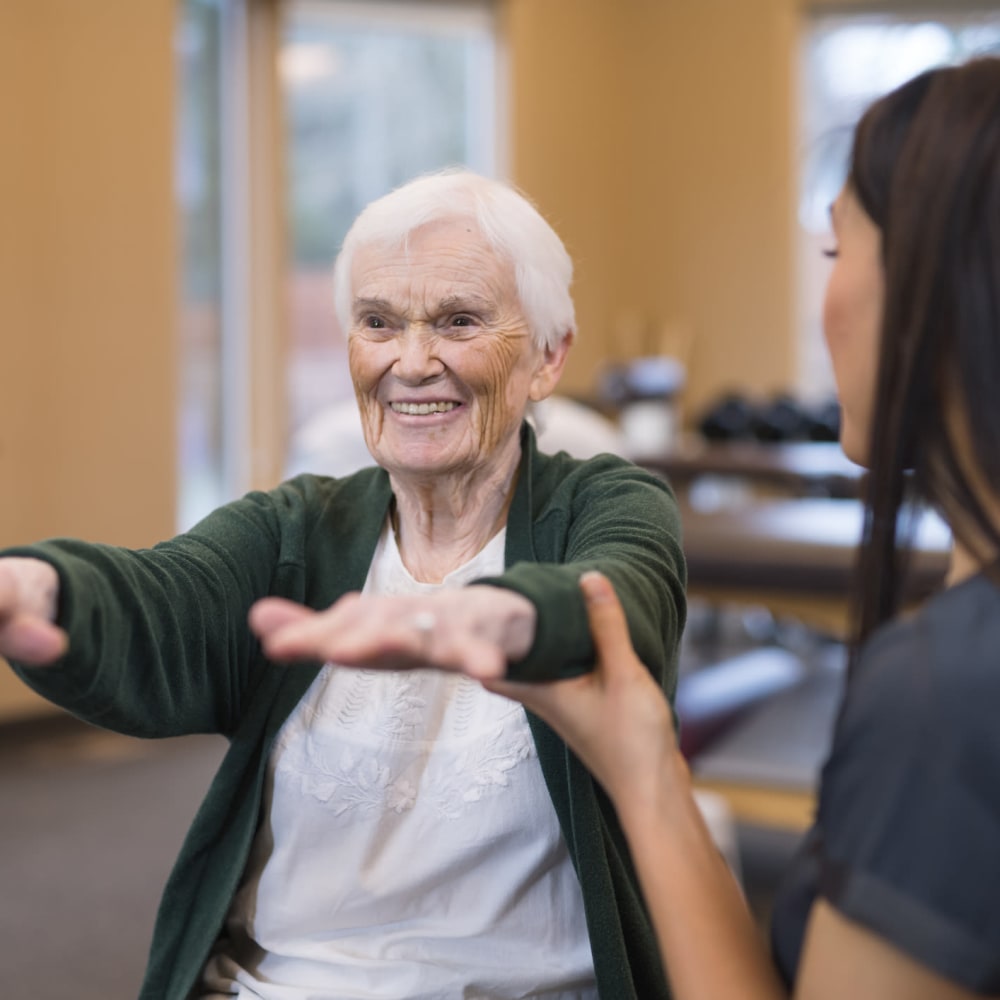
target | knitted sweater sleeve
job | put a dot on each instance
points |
(158, 638)
(608, 515)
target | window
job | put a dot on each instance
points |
(847, 61)
(369, 94)
(198, 179)
(374, 94)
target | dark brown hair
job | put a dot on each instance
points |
(926, 168)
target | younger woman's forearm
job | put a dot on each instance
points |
(710, 945)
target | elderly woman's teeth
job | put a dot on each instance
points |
(415, 409)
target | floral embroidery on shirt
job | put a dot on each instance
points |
(387, 795)
(486, 739)
(367, 741)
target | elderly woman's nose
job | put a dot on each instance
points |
(417, 357)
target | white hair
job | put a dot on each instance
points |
(515, 229)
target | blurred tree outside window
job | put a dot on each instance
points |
(846, 62)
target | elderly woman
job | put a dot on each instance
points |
(388, 832)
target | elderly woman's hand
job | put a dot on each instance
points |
(475, 630)
(29, 593)
(615, 718)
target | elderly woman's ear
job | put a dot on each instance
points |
(549, 368)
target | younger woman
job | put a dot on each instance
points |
(896, 892)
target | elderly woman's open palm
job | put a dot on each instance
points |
(474, 630)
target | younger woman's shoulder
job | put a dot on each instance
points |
(909, 809)
(943, 658)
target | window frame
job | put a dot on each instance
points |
(255, 316)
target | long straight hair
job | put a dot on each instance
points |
(926, 169)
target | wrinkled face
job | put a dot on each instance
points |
(440, 352)
(852, 320)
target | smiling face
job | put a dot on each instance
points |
(852, 320)
(441, 357)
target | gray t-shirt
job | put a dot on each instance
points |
(907, 836)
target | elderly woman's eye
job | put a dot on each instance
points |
(462, 320)
(374, 323)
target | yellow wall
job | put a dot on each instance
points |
(86, 275)
(656, 138)
(87, 270)
(569, 130)
(653, 134)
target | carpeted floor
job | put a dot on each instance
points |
(90, 826)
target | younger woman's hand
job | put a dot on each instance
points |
(615, 718)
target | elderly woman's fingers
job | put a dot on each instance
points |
(32, 641)
(288, 630)
(28, 592)
(270, 614)
(355, 631)
(445, 631)
(418, 639)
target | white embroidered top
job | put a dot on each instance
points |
(410, 849)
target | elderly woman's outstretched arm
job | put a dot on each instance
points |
(475, 630)
(530, 622)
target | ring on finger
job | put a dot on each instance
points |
(424, 622)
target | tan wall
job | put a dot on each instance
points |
(86, 274)
(656, 137)
(568, 130)
(715, 80)
(653, 134)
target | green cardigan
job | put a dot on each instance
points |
(159, 646)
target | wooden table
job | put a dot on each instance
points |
(796, 557)
(794, 468)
